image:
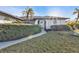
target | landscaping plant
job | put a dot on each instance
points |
(13, 32)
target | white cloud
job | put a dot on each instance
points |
(36, 13)
(55, 12)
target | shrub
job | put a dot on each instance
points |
(13, 32)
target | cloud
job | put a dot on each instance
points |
(55, 12)
(36, 13)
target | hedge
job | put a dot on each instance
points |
(13, 32)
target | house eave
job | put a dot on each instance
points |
(15, 17)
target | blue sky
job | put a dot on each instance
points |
(66, 11)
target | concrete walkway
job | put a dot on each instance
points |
(9, 43)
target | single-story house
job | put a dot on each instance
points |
(46, 22)
(8, 18)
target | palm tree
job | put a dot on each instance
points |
(76, 12)
(29, 13)
(25, 13)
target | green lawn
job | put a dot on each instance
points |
(59, 41)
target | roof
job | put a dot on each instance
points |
(50, 17)
(35, 17)
(1, 12)
(45, 17)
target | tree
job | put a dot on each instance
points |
(29, 13)
(76, 12)
(72, 24)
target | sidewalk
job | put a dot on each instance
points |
(9, 43)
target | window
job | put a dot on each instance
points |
(41, 21)
(55, 21)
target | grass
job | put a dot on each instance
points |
(52, 42)
(13, 32)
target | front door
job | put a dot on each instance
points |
(42, 24)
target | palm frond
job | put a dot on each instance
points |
(76, 9)
(74, 12)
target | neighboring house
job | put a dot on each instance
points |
(7, 18)
(46, 22)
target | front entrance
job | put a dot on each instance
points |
(42, 24)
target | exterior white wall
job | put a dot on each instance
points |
(60, 22)
(36, 22)
(49, 23)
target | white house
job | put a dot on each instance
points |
(47, 21)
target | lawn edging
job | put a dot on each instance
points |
(10, 43)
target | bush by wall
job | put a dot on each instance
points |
(13, 32)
